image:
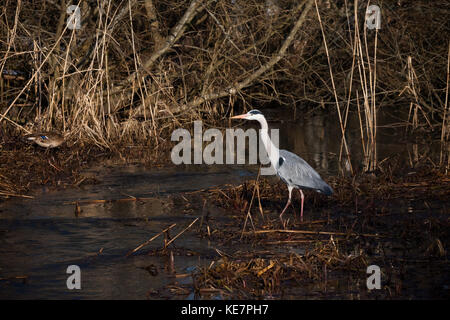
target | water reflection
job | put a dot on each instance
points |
(318, 139)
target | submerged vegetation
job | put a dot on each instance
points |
(117, 87)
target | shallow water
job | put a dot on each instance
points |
(317, 139)
(41, 237)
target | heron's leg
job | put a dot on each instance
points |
(287, 204)
(301, 209)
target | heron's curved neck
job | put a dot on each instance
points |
(272, 151)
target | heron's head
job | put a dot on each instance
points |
(251, 115)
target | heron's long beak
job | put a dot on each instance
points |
(241, 116)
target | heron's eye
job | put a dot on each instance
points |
(254, 112)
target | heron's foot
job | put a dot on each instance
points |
(282, 212)
(284, 223)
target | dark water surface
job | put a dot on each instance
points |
(41, 237)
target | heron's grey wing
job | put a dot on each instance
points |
(295, 171)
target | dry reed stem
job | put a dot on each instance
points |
(7, 194)
(150, 240)
(444, 133)
(93, 201)
(312, 232)
(31, 79)
(250, 205)
(179, 234)
(334, 88)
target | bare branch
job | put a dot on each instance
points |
(255, 75)
(174, 35)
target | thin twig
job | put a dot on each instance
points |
(173, 239)
(250, 205)
(150, 240)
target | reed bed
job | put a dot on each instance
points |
(134, 71)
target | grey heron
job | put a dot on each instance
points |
(293, 170)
